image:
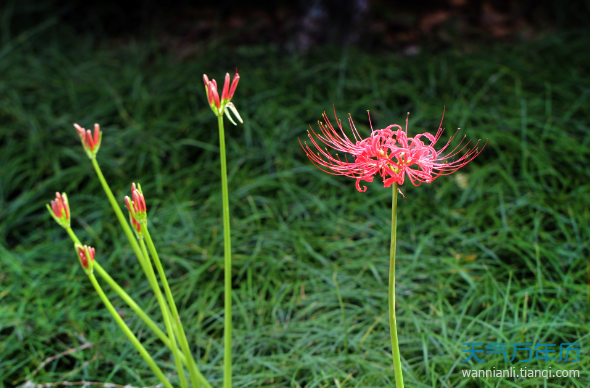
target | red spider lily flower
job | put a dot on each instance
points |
(388, 152)
(91, 143)
(86, 256)
(137, 209)
(60, 210)
(219, 106)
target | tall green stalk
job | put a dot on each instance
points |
(167, 319)
(397, 364)
(227, 328)
(118, 212)
(146, 356)
(196, 376)
(144, 262)
(130, 302)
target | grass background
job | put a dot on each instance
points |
(495, 253)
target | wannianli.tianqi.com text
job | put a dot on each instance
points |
(520, 372)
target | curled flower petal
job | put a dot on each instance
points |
(232, 107)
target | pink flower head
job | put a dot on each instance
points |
(218, 105)
(90, 142)
(212, 95)
(388, 152)
(137, 209)
(86, 256)
(60, 209)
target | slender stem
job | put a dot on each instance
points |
(118, 212)
(397, 364)
(194, 372)
(128, 232)
(167, 319)
(130, 302)
(192, 366)
(227, 328)
(73, 236)
(157, 371)
(144, 262)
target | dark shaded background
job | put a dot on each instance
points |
(299, 25)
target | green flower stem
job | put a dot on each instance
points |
(130, 302)
(227, 328)
(128, 232)
(144, 262)
(397, 364)
(167, 319)
(192, 366)
(157, 371)
(196, 376)
(118, 212)
(73, 236)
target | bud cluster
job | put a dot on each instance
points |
(137, 209)
(86, 256)
(91, 143)
(60, 210)
(218, 106)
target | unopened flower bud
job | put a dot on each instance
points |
(137, 210)
(90, 142)
(86, 257)
(219, 106)
(60, 210)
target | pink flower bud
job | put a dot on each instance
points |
(208, 88)
(134, 222)
(84, 259)
(141, 203)
(80, 130)
(137, 208)
(56, 207)
(213, 86)
(234, 85)
(96, 133)
(60, 210)
(225, 88)
(135, 196)
(90, 142)
(128, 204)
(60, 206)
(219, 105)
